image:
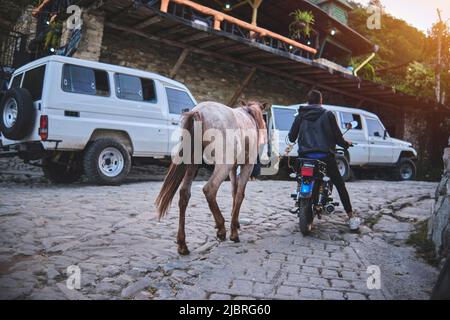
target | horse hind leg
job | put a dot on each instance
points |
(234, 184)
(246, 171)
(185, 195)
(210, 190)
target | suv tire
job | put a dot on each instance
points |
(405, 170)
(17, 114)
(60, 172)
(106, 162)
(344, 167)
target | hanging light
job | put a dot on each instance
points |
(333, 32)
(227, 6)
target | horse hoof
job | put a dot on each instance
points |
(222, 236)
(235, 239)
(184, 251)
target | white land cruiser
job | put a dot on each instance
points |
(88, 117)
(373, 147)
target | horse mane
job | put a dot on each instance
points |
(255, 110)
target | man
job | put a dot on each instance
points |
(316, 130)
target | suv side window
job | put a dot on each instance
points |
(178, 101)
(375, 128)
(15, 83)
(347, 117)
(284, 118)
(33, 81)
(135, 88)
(77, 79)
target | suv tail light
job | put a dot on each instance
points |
(43, 127)
(307, 171)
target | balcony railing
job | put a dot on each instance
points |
(190, 11)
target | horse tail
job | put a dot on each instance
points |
(176, 172)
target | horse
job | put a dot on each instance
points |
(249, 127)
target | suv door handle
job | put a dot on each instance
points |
(175, 123)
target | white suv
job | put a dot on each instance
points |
(373, 147)
(88, 117)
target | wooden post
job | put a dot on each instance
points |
(164, 5)
(217, 22)
(255, 5)
(179, 62)
(241, 88)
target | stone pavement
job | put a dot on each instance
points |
(123, 252)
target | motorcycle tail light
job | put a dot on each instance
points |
(307, 171)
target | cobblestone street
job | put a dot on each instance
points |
(123, 252)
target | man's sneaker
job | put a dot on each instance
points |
(354, 223)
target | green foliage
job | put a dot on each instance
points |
(425, 248)
(407, 57)
(302, 24)
(53, 36)
(419, 80)
(367, 72)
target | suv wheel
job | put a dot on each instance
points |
(17, 114)
(344, 167)
(406, 169)
(106, 162)
(61, 172)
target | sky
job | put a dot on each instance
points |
(419, 13)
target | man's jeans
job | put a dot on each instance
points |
(336, 179)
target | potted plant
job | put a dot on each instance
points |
(302, 24)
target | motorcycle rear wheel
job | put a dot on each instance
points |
(305, 216)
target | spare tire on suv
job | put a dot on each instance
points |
(17, 114)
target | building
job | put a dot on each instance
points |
(226, 50)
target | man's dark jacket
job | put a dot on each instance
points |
(316, 130)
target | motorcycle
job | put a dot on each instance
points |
(314, 188)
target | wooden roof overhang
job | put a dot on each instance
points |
(274, 14)
(147, 21)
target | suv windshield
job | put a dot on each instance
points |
(284, 118)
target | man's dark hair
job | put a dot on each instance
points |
(314, 97)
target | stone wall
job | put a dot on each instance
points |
(207, 78)
(439, 225)
(92, 34)
(26, 24)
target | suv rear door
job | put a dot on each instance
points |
(33, 80)
(283, 118)
(178, 101)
